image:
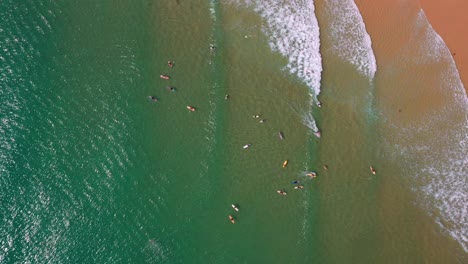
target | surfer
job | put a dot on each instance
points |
(262, 121)
(317, 133)
(247, 146)
(165, 77)
(281, 135)
(153, 98)
(232, 219)
(170, 64)
(235, 207)
(255, 116)
(281, 192)
(325, 167)
(191, 108)
(298, 187)
(372, 170)
(226, 97)
(285, 163)
(311, 174)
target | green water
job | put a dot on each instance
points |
(92, 171)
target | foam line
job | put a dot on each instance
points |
(436, 147)
(293, 31)
(350, 40)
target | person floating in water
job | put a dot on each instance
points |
(170, 64)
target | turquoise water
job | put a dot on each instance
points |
(92, 171)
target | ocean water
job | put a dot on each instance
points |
(93, 171)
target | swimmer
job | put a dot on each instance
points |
(170, 88)
(295, 182)
(212, 48)
(232, 219)
(298, 187)
(281, 192)
(170, 64)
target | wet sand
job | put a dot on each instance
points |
(412, 93)
(449, 20)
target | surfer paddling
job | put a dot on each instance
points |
(298, 187)
(372, 170)
(191, 108)
(285, 163)
(281, 135)
(247, 146)
(165, 77)
(232, 219)
(170, 64)
(283, 193)
(312, 174)
(153, 98)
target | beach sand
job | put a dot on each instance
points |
(449, 20)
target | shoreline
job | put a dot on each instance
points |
(448, 20)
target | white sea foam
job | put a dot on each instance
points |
(436, 146)
(350, 40)
(293, 31)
